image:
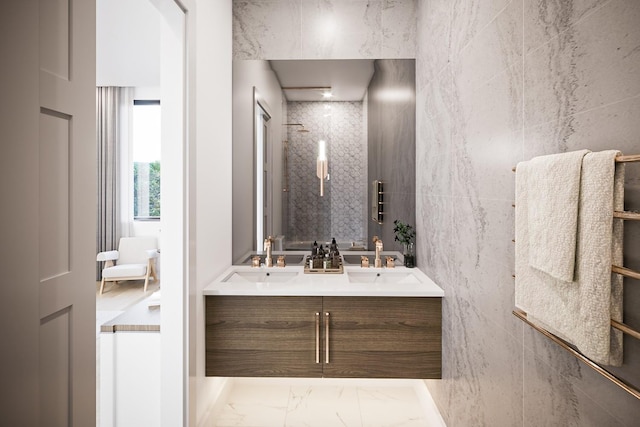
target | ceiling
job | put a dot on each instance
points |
(127, 43)
(348, 78)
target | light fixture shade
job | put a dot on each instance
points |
(322, 150)
(322, 165)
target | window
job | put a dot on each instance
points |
(146, 159)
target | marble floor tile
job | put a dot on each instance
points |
(334, 404)
(240, 415)
(390, 407)
(320, 406)
(271, 395)
(255, 406)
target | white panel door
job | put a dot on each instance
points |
(48, 195)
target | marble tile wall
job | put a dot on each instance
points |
(500, 81)
(497, 81)
(324, 29)
(339, 213)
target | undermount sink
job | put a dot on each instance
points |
(260, 277)
(382, 277)
(352, 259)
(355, 259)
(289, 259)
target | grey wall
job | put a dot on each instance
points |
(340, 212)
(392, 145)
(498, 82)
(246, 76)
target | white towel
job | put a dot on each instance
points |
(553, 186)
(579, 311)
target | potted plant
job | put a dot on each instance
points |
(406, 235)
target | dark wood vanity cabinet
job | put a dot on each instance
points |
(384, 337)
(247, 336)
(340, 337)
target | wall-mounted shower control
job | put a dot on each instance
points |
(377, 198)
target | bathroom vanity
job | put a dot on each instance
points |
(365, 323)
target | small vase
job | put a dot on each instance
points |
(409, 255)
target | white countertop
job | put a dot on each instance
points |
(407, 282)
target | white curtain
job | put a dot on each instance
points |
(108, 109)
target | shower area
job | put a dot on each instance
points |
(341, 211)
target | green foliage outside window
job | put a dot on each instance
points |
(146, 190)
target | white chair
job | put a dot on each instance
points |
(135, 259)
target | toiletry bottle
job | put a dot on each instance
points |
(327, 263)
(334, 253)
(320, 256)
(314, 255)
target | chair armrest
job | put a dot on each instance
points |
(108, 256)
(152, 253)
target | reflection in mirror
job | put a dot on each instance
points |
(364, 110)
(263, 175)
(338, 211)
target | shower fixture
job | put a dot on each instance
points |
(303, 130)
(312, 93)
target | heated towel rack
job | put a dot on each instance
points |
(626, 329)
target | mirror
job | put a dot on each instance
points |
(363, 111)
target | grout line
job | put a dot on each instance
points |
(359, 406)
(481, 30)
(286, 410)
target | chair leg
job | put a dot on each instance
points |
(153, 271)
(101, 285)
(146, 281)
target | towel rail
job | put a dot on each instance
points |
(620, 159)
(624, 328)
(626, 272)
(599, 369)
(626, 215)
(628, 159)
(633, 216)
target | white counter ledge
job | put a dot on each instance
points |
(242, 280)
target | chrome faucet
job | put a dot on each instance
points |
(378, 243)
(268, 246)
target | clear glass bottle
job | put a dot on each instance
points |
(409, 255)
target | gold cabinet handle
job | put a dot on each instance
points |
(317, 337)
(326, 331)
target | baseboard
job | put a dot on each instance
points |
(431, 412)
(215, 409)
